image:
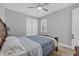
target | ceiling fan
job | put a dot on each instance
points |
(40, 6)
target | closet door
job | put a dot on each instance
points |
(31, 26)
(28, 26)
(34, 26)
(75, 27)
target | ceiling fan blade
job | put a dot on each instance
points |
(32, 7)
(44, 4)
(45, 9)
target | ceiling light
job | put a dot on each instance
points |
(39, 8)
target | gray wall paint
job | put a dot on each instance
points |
(2, 12)
(16, 22)
(39, 26)
(60, 24)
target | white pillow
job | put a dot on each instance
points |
(11, 46)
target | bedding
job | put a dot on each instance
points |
(55, 42)
(20, 46)
(46, 43)
(11, 46)
(32, 48)
(28, 46)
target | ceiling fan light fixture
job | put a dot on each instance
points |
(39, 8)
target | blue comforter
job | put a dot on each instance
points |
(46, 43)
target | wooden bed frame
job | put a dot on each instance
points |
(56, 38)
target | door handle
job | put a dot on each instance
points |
(73, 36)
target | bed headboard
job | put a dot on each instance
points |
(3, 32)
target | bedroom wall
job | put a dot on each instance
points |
(59, 24)
(2, 12)
(16, 22)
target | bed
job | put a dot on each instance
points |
(48, 44)
(45, 44)
(36, 45)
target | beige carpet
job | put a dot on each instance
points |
(63, 51)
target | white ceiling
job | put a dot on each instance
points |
(23, 8)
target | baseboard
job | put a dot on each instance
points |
(64, 45)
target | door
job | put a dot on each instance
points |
(75, 27)
(34, 27)
(28, 27)
(31, 26)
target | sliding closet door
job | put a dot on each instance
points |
(28, 27)
(75, 22)
(34, 27)
(75, 27)
(31, 26)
